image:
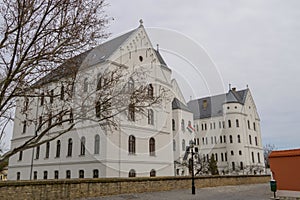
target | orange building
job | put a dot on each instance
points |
(285, 167)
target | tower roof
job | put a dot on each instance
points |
(212, 106)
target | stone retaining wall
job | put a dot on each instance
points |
(78, 188)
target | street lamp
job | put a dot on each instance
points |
(193, 178)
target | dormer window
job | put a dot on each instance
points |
(204, 104)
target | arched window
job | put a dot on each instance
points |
(82, 146)
(237, 123)
(95, 173)
(222, 157)
(239, 138)
(56, 173)
(18, 175)
(98, 109)
(229, 123)
(258, 157)
(150, 117)
(58, 149)
(131, 144)
(130, 85)
(173, 124)
(68, 174)
(85, 85)
(132, 173)
(182, 125)
(70, 145)
(47, 150)
(183, 145)
(81, 173)
(174, 145)
(150, 90)
(256, 142)
(152, 146)
(152, 173)
(241, 165)
(248, 124)
(131, 112)
(252, 155)
(250, 139)
(45, 175)
(97, 144)
(230, 139)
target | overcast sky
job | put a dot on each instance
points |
(253, 42)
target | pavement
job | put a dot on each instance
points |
(240, 192)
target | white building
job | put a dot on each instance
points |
(228, 126)
(142, 145)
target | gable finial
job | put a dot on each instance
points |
(229, 86)
(157, 47)
(141, 22)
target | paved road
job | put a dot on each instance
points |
(242, 192)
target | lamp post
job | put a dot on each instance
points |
(193, 177)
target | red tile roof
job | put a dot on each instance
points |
(285, 153)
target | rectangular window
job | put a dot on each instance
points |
(18, 175)
(20, 155)
(254, 127)
(42, 98)
(37, 153)
(24, 127)
(256, 142)
(229, 123)
(223, 123)
(51, 96)
(131, 112)
(248, 124)
(62, 92)
(35, 175)
(47, 150)
(40, 122)
(49, 119)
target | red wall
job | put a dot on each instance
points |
(286, 170)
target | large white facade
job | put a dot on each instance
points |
(228, 126)
(106, 152)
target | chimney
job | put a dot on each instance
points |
(234, 89)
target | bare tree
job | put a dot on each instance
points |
(201, 166)
(36, 37)
(268, 148)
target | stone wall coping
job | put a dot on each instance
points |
(115, 180)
